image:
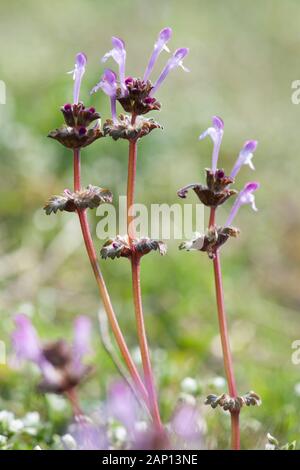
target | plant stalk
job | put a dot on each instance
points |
(136, 287)
(102, 287)
(227, 356)
(73, 399)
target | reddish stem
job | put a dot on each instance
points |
(77, 170)
(131, 189)
(102, 287)
(227, 356)
(73, 399)
(141, 329)
(136, 287)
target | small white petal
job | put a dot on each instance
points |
(3, 440)
(185, 69)
(107, 56)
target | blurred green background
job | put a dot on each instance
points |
(243, 58)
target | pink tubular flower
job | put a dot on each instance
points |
(108, 84)
(78, 73)
(118, 53)
(160, 45)
(175, 61)
(245, 157)
(245, 196)
(216, 134)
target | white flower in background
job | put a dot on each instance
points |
(31, 419)
(3, 440)
(15, 425)
(219, 382)
(189, 385)
(69, 442)
(6, 417)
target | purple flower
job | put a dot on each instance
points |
(122, 405)
(81, 338)
(245, 196)
(187, 423)
(89, 436)
(118, 53)
(175, 61)
(216, 134)
(25, 340)
(160, 45)
(78, 73)
(28, 347)
(245, 157)
(108, 84)
(61, 365)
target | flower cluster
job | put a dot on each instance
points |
(218, 190)
(128, 130)
(210, 242)
(233, 404)
(77, 131)
(136, 95)
(120, 247)
(60, 363)
(69, 201)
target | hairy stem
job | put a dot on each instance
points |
(102, 287)
(227, 357)
(136, 287)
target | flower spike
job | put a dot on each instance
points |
(78, 73)
(245, 157)
(175, 61)
(108, 84)
(160, 45)
(246, 196)
(118, 53)
(216, 134)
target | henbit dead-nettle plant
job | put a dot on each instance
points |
(136, 96)
(82, 127)
(217, 191)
